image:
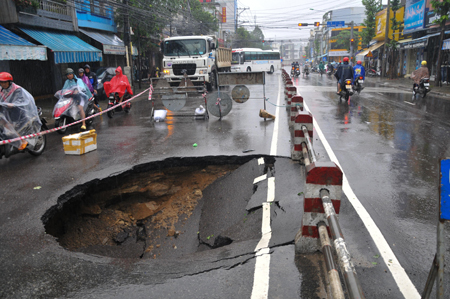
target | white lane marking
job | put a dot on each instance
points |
(261, 276)
(401, 278)
(260, 178)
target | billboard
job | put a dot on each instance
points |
(414, 16)
(380, 21)
(224, 14)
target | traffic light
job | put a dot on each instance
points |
(352, 40)
(263, 41)
(317, 24)
(302, 24)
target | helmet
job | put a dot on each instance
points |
(157, 68)
(345, 59)
(69, 71)
(80, 70)
(424, 62)
(358, 62)
(87, 66)
(4, 76)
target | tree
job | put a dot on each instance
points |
(441, 9)
(372, 8)
(392, 45)
(246, 39)
(343, 39)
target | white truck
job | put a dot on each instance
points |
(197, 56)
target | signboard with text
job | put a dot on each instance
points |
(224, 14)
(336, 24)
(444, 211)
(414, 16)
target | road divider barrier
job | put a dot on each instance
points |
(322, 201)
(71, 124)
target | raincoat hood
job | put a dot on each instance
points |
(119, 83)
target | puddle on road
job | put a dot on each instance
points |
(121, 216)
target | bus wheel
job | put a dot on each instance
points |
(249, 69)
(271, 70)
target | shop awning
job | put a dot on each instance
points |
(419, 42)
(67, 47)
(13, 47)
(111, 43)
(361, 55)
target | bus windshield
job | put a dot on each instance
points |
(185, 47)
(236, 58)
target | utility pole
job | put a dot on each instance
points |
(351, 39)
(237, 17)
(386, 39)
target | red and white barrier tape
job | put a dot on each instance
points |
(150, 92)
(68, 125)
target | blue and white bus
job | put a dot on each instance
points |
(255, 60)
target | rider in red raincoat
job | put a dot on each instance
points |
(119, 84)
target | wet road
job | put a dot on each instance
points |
(389, 147)
(34, 265)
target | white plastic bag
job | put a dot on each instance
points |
(200, 110)
(160, 115)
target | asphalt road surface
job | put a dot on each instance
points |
(388, 147)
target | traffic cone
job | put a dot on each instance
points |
(263, 113)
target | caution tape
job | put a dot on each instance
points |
(68, 125)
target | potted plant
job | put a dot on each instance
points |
(30, 6)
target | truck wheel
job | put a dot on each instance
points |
(212, 82)
(249, 69)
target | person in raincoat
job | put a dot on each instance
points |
(18, 111)
(119, 84)
(359, 70)
(420, 73)
(71, 81)
(82, 76)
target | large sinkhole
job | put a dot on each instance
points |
(160, 209)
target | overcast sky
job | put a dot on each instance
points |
(279, 18)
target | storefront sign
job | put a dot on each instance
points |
(414, 45)
(113, 50)
(338, 53)
(414, 15)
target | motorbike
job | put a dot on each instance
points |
(66, 109)
(321, 72)
(292, 71)
(306, 72)
(35, 146)
(114, 100)
(346, 90)
(373, 73)
(423, 88)
(359, 84)
(297, 72)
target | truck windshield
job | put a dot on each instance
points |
(185, 47)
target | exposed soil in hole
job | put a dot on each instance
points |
(118, 211)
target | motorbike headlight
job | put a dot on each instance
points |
(62, 103)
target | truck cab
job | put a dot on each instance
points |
(198, 56)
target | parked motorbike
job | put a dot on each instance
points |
(423, 88)
(373, 73)
(359, 81)
(66, 109)
(35, 146)
(346, 90)
(114, 100)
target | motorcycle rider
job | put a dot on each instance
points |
(358, 71)
(71, 81)
(306, 68)
(330, 67)
(82, 76)
(118, 84)
(18, 112)
(344, 71)
(419, 74)
(94, 82)
(321, 67)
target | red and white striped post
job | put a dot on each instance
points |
(296, 106)
(303, 118)
(291, 91)
(319, 176)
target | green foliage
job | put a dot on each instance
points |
(441, 9)
(343, 39)
(246, 39)
(372, 8)
(204, 22)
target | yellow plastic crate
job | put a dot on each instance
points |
(81, 143)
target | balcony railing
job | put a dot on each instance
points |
(56, 7)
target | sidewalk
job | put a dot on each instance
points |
(406, 83)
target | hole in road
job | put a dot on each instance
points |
(136, 212)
